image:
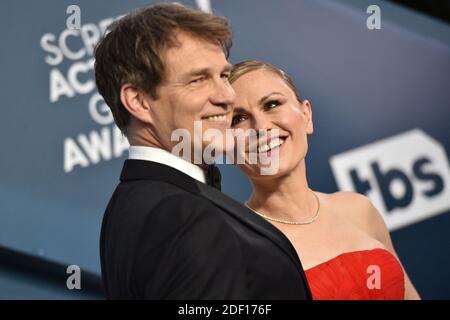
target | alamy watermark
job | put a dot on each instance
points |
(74, 280)
(373, 22)
(374, 279)
(73, 22)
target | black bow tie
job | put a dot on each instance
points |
(213, 176)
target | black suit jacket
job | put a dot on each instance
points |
(167, 236)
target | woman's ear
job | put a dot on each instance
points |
(307, 111)
(136, 102)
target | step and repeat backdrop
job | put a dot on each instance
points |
(377, 75)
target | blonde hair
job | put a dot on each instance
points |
(247, 66)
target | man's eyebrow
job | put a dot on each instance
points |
(204, 71)
(260, 101)
(197, 72)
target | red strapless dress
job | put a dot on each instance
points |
(359, 275)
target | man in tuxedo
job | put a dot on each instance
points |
(168, 232)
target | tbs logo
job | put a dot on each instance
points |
(407, 176)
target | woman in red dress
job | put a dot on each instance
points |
(341, 239)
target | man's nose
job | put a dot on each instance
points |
(223, 94)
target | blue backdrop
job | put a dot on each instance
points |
(381, 105)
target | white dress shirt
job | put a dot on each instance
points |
(165, 157)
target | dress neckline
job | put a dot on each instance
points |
(348, 253)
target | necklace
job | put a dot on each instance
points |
(314, 218)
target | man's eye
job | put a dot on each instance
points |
(238, 118)
(225, 75)
(197, 80)
(272, 104)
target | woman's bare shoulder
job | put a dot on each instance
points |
(346, 201)
(357, 209)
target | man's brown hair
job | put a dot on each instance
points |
(133, 47)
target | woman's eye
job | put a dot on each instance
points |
(237, 119)
(272, 104)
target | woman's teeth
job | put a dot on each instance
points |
(272, 144)
(217, 118)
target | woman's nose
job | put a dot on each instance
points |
(262, 122)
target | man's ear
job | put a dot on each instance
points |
(136, 102)
(307, 111)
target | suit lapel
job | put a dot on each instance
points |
(248, 217)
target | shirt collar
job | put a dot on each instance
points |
(165, 157)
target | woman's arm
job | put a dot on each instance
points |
(381, 232)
